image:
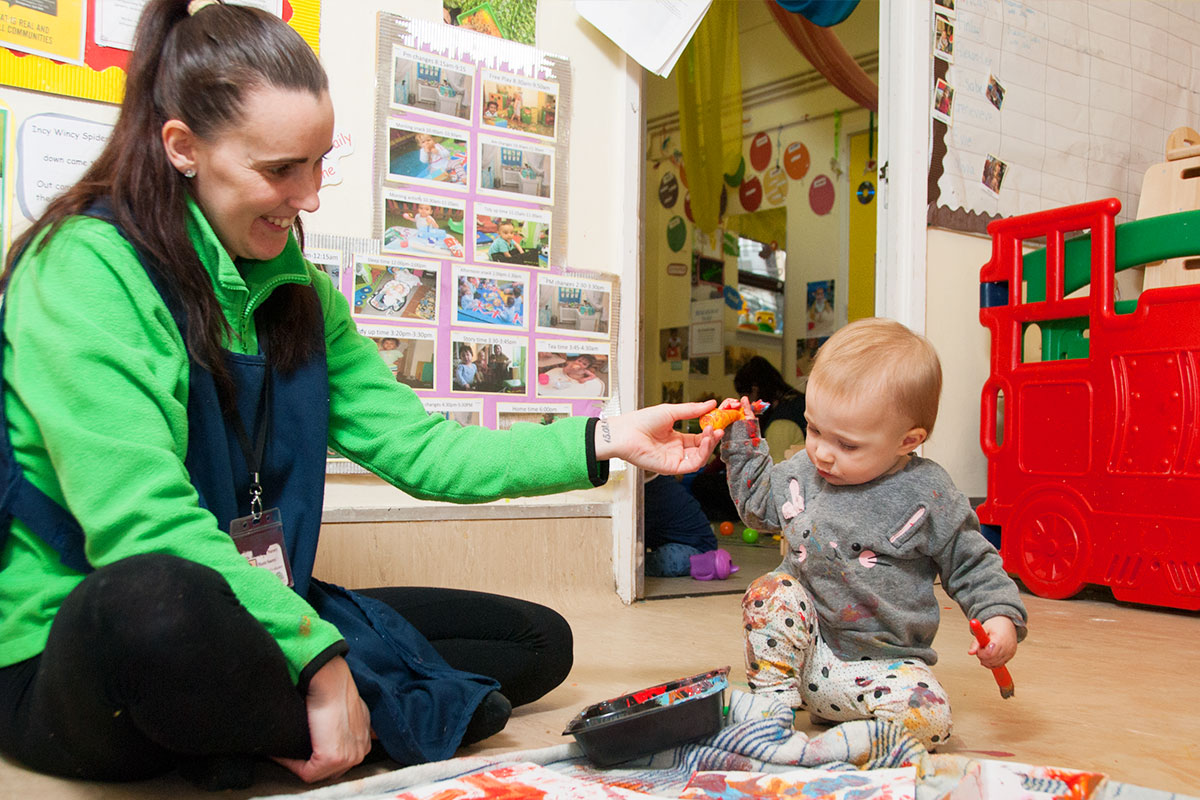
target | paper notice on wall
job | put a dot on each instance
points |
(653, 32)
(116, 20)
(53, 151)
(705, 339)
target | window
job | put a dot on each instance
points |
(761, 275)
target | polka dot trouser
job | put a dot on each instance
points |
(786, 657)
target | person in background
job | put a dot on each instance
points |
(675, 527)
(782, 425)
(163, 499)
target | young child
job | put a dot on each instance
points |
(505, 242)
(845, 625)
(436, 155)
(427, 224)
(465, 369)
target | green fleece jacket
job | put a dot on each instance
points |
(97, 390)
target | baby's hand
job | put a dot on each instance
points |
(1003, 645)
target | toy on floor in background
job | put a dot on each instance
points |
(726, 528)
(724, 417)
(750, 536)
(713, 565)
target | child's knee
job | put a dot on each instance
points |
(777, 596)
(924, 713)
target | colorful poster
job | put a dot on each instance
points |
(821, 316)
(50, 28)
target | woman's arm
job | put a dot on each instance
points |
(647, 438)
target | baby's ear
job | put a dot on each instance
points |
(913, 439)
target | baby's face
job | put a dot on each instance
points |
(853, 441)
(424, 211)
(506, 232)
(388, 344)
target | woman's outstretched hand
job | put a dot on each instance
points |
(646, 438)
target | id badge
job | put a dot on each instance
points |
(261, 543)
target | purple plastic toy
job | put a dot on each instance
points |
(713, 565)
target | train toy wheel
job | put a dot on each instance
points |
(1052, 545)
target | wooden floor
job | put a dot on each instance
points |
(1099, 685)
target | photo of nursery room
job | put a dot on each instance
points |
(528, 108)
(488, 364)
(408, 353)
(573, 305)
(523, 170)
(422, 226)
(512, 236)
(508, 414)
(490, 297)
(427, 154)
(393, 289)
(428, 83)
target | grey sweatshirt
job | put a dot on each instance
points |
(869, 554)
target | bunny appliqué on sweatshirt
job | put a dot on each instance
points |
(869, 555)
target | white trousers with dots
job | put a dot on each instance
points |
(786, 657)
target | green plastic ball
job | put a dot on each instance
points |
(749, 536)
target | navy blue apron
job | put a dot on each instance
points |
(420, 706)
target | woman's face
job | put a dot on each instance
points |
(253, 179)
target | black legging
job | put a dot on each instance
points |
(153, 660)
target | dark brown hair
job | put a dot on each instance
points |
(198, 69)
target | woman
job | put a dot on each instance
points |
(214, 369)
(782, 426)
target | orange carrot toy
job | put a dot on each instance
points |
(724, 417)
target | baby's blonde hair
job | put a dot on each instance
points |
(878, 356)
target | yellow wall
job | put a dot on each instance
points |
(860, 299)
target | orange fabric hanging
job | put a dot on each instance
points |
(828, 55)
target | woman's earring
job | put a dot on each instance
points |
(189, 173)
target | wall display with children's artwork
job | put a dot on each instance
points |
(820, 195)
(512, 236)
(572, 369)
(508, 414)
(520, 104)
(428, 155)
(750, 194)
(464, 411)
(515, 169)
(398, 289)
(410, 353)
(423, 225)
(574, 306)
(671, 345)
(822, 316)
(1075, 106)
(494, 298)
(775, 185)
(796, 160)
(488, 363)
(431, 85)
(330, 261)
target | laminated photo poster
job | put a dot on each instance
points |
(464, 286)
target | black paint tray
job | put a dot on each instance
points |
(651, 720)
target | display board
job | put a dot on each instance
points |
(464, 286)
(1038, 104)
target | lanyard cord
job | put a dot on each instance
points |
(254, 454)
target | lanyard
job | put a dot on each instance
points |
(254, 453)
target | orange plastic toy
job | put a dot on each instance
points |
(724, 417)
